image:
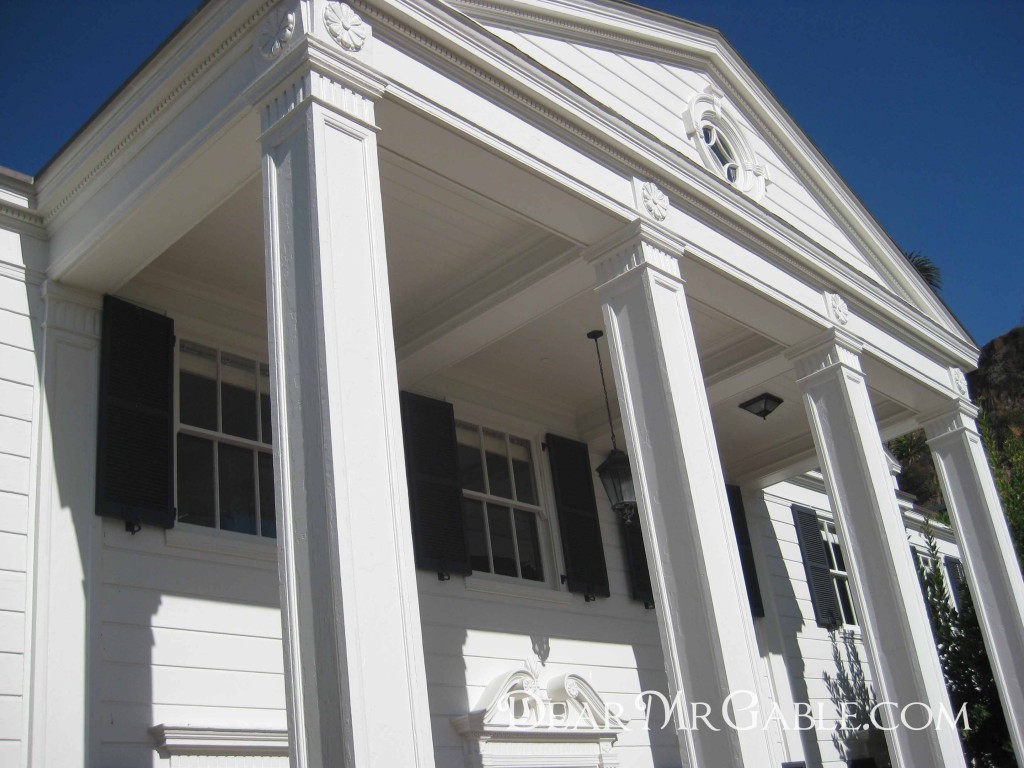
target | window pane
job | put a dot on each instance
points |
(503, 550)
(529, 546)
(522, 468)
(265, 419)
(195, 481)
(237, 489)
(837, 555)
(846, 601)
(268, 518)
(497, 465)
(476, 535)
(238, 396)
(469, 457)
(197, 386)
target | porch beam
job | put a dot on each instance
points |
(993, 571)
(354, 670)
(478, 321)
(706, 630)
(889, 607)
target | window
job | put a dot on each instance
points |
(723, 143)
(225, 465)
(500, 502)
(837, 569)
(722, 151)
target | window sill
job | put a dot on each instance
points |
(534, 591)
(185, 536)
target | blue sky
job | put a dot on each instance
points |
(918, 105)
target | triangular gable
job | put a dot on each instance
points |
(651, 69)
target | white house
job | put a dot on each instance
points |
(300, 419)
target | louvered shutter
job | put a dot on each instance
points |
(957, 578)
(819, 578)
(636, 561)
(739, 522)
(582, 547)
(435, 492)
(135, 428)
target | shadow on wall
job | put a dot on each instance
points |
(783, 609)
(856, 738)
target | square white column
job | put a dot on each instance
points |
(993, 571)
(355, 678)
(707, 632)
(887, 595)
(68, 534)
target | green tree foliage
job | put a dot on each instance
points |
(926, 268)
(1006, 458)
(965, 666)
(917, 470)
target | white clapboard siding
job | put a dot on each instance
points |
(19, 374)
(186, 636)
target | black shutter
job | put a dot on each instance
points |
(135, 428)
(585, 570)
(435, 491)
(636, 561)
(739, 522)
(957, 578)
(819, 577)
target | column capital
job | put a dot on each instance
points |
(71, 309)
(311, 72)
(953, 416)
(639, 244)
(833, 347)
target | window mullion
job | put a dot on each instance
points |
(216, 484)
(487, 537)
(515, 541)
(256, 489)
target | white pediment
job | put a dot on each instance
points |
(660, 73)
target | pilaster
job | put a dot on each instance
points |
(355, 679)
(67, 533)
(993, 571)
(890, 611)
(706, 629)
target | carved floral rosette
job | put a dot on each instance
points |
(655, 201)
(276, 31)
(345, 26)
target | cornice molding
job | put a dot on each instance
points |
(835, 347)
(23, 220)
(171, 95)
(72, 310)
